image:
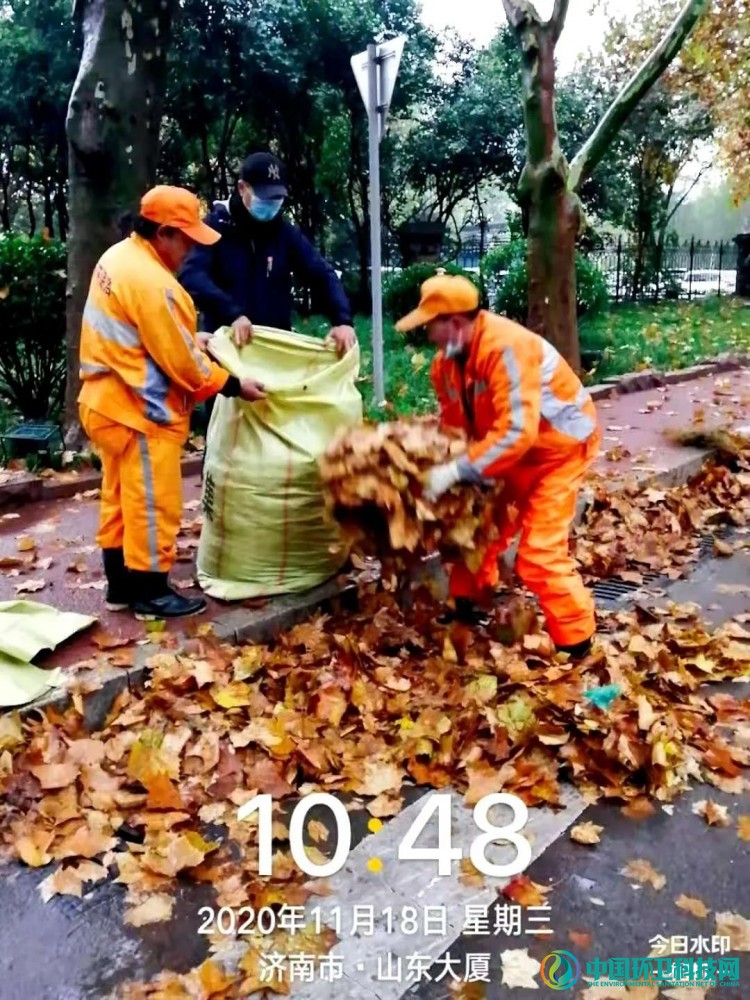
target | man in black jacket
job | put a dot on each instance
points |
(247, 277)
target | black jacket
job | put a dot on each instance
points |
(249, 272)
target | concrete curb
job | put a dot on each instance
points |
(238, 626)
(34, 489)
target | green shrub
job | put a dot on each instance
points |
(401, 293)
(505, 275)
(32, 324)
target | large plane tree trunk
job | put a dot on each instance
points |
(113, 126)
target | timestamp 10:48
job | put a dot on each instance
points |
(438, 805)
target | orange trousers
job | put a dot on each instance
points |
(141, 503)
(544, 495)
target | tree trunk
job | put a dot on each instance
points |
(554, 214)
(113, 142)
(49, 215)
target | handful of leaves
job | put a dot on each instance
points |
(375, 477)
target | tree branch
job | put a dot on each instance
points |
(559, 15)
(633, 92)
(520, 12)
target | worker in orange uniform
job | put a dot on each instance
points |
(143, 371)
(530, 423)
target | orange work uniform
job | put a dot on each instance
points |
(533, 425)
(142, 373)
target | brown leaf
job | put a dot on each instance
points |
(712, 812)
(162, 794)
(525, 892)
(105, 641)
(70, 881)
(471, 876)
(55, 775)
(156, 910)
(30, 586)
(743, 827)
(643, 872)
(692, 905)
(586, 833)
(736, 928)
(580, 939)
(26, 543)
(638, 809)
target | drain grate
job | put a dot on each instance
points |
(614, 591)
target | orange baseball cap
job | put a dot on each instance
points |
(178, 208)
(443, 295)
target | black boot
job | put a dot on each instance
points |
(579, 651)
(467, 613)
(156, 601)
(119, 594)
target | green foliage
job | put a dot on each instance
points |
(32, 324)
(401, 292)
(506, 277)
(665, 337)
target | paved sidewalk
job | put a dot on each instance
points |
(634, 448)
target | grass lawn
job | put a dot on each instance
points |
(631, 337)
(665, 337)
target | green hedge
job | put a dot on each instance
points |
(401, 292)
(32, 324)
(505, 275)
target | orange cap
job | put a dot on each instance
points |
(178, 208)
(443, 295)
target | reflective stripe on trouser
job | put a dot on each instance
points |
(141, 501)
(546, 495)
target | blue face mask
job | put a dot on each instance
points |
(265, 209)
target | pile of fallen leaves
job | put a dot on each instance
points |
(374, 477)
(362, 706)
(640, 531)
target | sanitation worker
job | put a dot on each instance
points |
(531, 424)
(143, 371)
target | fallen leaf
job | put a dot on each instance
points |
(586, 833)
(30, 586)
(692, 905)
(55, 775)
(519, 969)
(525, 892)
(105, 641)
(638, 809)
(470, 876)
(736, 928)
(70, 881)
(712, 812)
(26, 543)
(157, 909)
(743, 827)
(643, 872)
(581, 939)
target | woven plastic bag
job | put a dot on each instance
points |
(265, 529)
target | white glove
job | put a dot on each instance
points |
(440, 479)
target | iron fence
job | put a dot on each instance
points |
(633, 272)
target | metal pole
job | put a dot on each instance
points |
(692, 262)
(376, 274)
(721, 263)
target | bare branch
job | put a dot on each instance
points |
(520, 12)
(633, 92)
(559, 16)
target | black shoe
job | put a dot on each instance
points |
(466, 613)
(119, 593)
(578, 652)
(158, 602)
(168, 606)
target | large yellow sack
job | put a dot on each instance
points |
(265, 529)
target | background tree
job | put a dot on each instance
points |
(113, 128)
(549, 186)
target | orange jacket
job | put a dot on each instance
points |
(516, 398)
(140, 362)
